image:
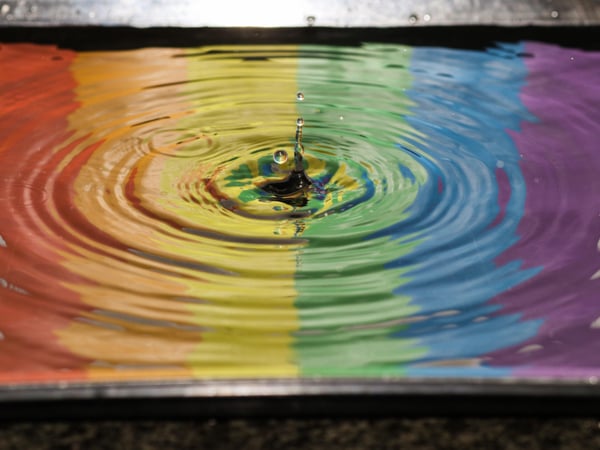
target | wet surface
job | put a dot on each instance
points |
(449, 229)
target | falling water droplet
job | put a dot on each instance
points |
(413, 19)
(297, 181)
(280, 156)
(427, 17)
(300, 96)
(554, 14)
(310, 20)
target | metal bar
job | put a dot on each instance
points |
(588, 388)
(308, 397)
(299, 13)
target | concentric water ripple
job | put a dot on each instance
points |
(138, 239)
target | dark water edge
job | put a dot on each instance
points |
(466, 37)
(364, 434)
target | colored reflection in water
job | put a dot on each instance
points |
(451, 228)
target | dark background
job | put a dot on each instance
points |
(318, 434)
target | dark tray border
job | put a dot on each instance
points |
(309, 397)
(299, 397)
(467, 37)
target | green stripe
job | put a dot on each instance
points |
(346, 304)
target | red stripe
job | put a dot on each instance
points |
(36, 97)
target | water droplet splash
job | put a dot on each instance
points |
(280, 156)
(297, 182)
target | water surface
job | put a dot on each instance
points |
(452, 229)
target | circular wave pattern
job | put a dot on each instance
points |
(138, 210)
(418, 259)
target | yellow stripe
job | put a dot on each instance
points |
(256, 103)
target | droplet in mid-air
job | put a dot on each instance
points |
(280, 156)
(294, 187)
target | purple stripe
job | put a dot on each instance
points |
(561, 224)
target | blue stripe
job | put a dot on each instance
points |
(464, 114)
